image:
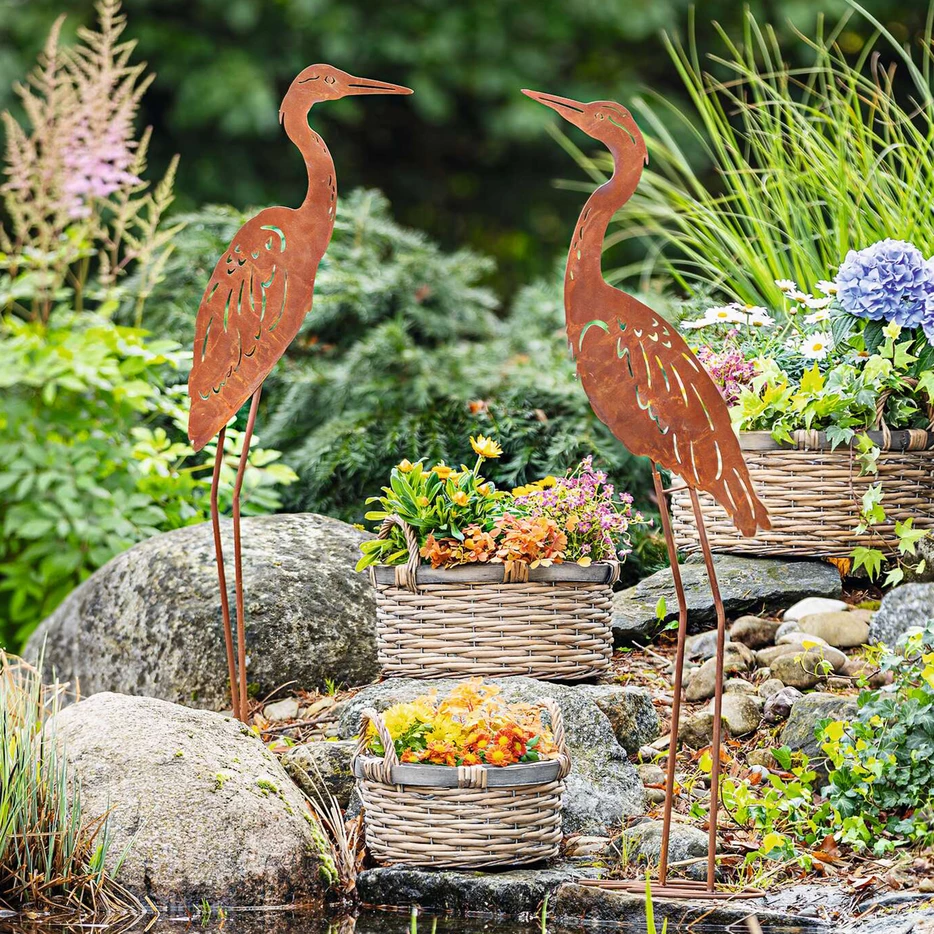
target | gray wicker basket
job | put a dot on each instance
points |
(813, 496)
(548, 623)
(474, 816)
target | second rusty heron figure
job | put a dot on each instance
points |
(646, 385)
(252, 309)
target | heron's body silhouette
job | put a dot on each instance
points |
(646, 385)
(254, 305)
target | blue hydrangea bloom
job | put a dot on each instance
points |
(889, 280)
(927, 315)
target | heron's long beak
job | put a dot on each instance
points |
(569, 109)
(366, 86)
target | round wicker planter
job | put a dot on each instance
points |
(549, 623)
(813, 495)
(436, 815)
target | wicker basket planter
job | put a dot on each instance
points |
(436, 815)
(548, 623)
(813, 495)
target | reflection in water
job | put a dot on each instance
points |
(369, 922)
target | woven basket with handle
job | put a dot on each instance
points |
(549, 623)
(814, 494)
(473, 816)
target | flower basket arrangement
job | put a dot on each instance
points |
(467, 782)
(832, 395)
(475, 581)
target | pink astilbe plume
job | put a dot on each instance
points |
(78, 163)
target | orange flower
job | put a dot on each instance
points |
(500, 755)
(441, 753)
(469, 758)
(410, 755)
(479, 739)
(442, 470)
(460, 498)
(509, 739)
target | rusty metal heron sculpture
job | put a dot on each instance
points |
(252, 309)
(646, 385)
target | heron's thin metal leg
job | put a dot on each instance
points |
(222, 576)
(679, 667)
(718, 692)
(238, 561)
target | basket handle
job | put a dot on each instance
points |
(918, 438)
(405, 573)
(376, 770)
(557, 730)
(380, 770)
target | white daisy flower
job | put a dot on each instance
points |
(812, 302)
(787, 285)
(816, 346)
(726, 314)
(697, 323)
(762, 319)
(796, 295)
(822, 314)
(828, 288)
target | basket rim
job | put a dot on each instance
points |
(900, 439)
(600, 572)
(446, 776)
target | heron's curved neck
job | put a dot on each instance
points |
(318, 162)
(584, 257)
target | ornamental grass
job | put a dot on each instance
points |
(52, 856)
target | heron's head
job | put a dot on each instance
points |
(327, 83)
(606, 121)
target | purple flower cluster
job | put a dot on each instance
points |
(728, 369)
(97, 158)
(889, 281)
(595, 518)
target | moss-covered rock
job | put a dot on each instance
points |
(322, 767)
(149, 621)
(745, 584)
(203, 809)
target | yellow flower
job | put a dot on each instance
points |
(444, 729)
(546, 482)
(460, 498)
(486, 489)
(405, 465)
(401, 717)
(442, 470)
(485, 447)
(422, 501)
(522, 490)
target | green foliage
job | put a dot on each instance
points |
(883, 777)
(786, 812)
(94, 457)
(52, 855)
(809, 161)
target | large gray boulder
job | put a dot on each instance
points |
(205, 809)
(746, 584)
(903, 608)
(149, 621)
(603, 788)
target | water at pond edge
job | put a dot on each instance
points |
(242, 921)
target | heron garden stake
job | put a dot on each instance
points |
(647, 386)
(253, 307)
